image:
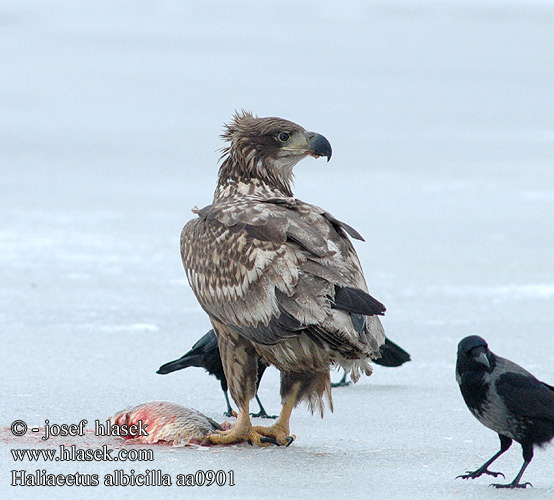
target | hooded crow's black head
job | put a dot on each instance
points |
(474, 355)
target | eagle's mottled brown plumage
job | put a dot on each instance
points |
(279, 278)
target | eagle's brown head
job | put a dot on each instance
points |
(263, 152)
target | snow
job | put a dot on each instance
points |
(440, 115)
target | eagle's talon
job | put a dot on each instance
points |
(270, 440)
(223, 432)
(276, 433)
(250, 437)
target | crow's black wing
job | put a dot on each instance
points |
(526, 396)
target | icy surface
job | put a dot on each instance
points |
(441, 117)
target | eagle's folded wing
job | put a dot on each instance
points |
(274, 270)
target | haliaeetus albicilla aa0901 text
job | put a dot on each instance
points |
(279, 278)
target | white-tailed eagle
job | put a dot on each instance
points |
(278, 277)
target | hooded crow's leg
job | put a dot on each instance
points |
(262, 413)
(527, 457)
(505, 443)
(229, 412)
(342, 382)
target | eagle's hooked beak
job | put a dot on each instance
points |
(318, 145)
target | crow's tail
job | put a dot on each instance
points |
(183, 362)
(392, 355)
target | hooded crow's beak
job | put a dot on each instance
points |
(483, 360)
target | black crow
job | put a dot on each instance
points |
(507, 399)
(205, 354)
(392, 355)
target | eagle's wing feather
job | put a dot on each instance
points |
(357, 301)
(271, 270)
(343, 225)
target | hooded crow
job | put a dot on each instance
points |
(506, 398)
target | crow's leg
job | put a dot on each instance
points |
(343, 382)
(505, 443)
(229, 412)
(527, 457)
(262, 413)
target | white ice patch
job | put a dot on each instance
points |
(500, 292)
(538, 196)
(137, 327)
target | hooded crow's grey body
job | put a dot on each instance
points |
(506, 398)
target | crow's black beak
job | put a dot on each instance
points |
(319, 145)
(482, 359)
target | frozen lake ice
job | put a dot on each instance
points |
(441, 119)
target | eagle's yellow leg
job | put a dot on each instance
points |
(241, 431)
(280, 430)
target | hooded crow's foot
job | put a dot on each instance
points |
(512, 485)
(479, 472)
(342, 382)
(262, 414)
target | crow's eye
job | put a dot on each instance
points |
(283, 136)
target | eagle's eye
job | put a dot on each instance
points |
(283, 136)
